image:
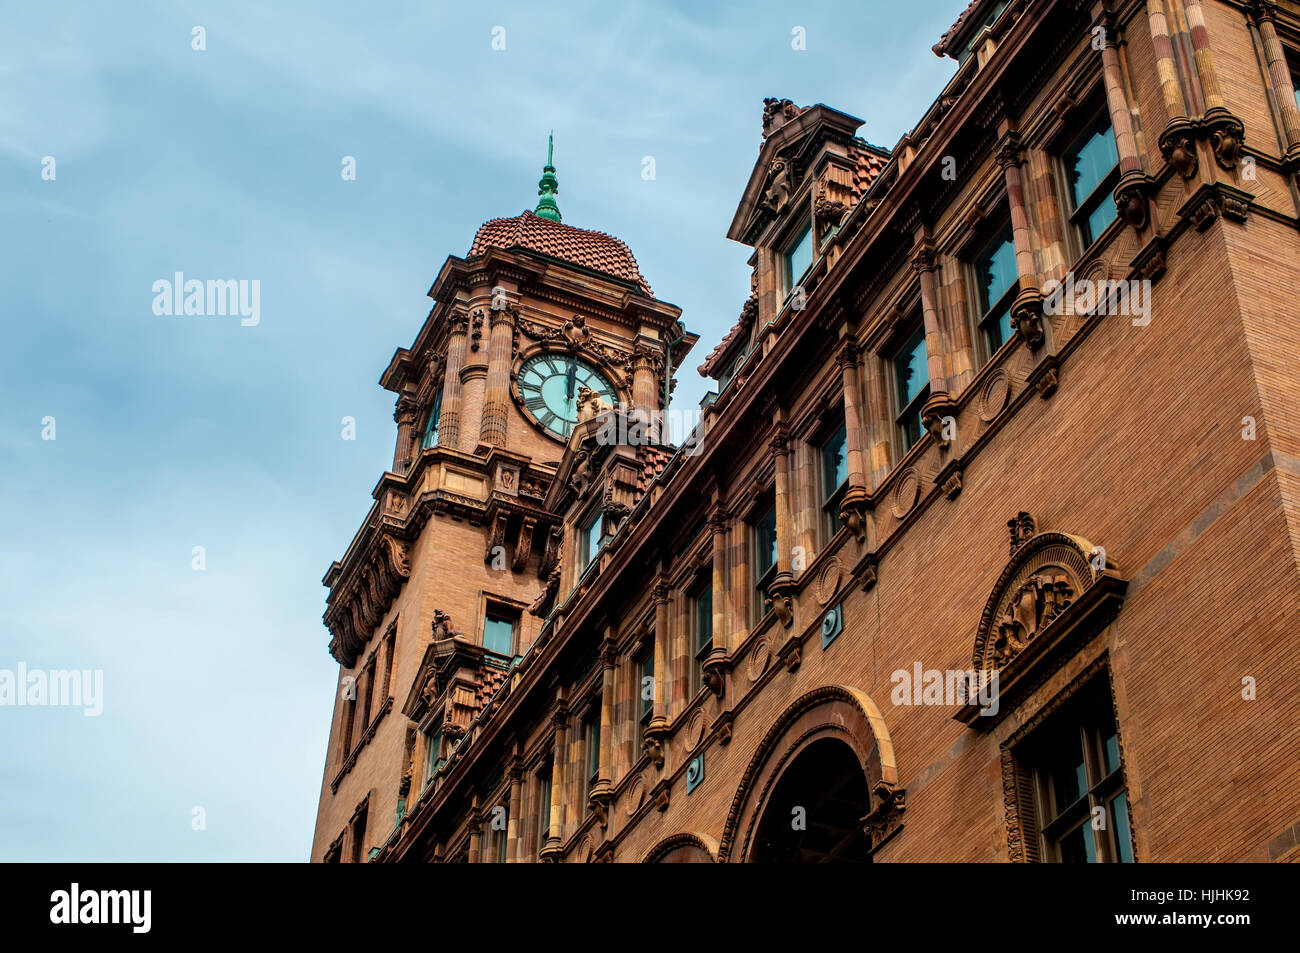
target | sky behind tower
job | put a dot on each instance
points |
(173, 432)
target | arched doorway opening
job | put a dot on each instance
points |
(814, 814)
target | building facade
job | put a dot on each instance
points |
(986, 547)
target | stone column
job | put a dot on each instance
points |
(1134, 185)
(940, 403)
(496, 397)
(853, 503)
(739, 591)
(647, 367)
(473, 377)
(657, 729)
(1280, 74)
(475, 833)
(513, 838)
(1225, 131)
(955, 308)
(405, 414)
(1177, 141)
(879, 423)
(1027, 309)
(715, 664)
(559, 757)
(602, 793)
(449, 424)
(778, 596)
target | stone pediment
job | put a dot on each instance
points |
(1055, 592)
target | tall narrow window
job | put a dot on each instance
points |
(645, 684)
(702, 633)
(591, 736)
(499, 633)
(1091, 170)
(798, 258)
(996, 283)
(433, 757)
(835, 477)
(431, 425)
(589, 539)
(764, 532)
(543, 804)
(1072, 785)
(912, 377)
(359, 833)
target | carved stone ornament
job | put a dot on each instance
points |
(776, 113)
(1054, 585)
(1178, 146)
(780, 183)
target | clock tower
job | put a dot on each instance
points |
(541, 325)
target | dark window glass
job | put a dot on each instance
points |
(645, 689)
(912, 375)
(704, 621)
(798, 257)
(589, 543)
(1089, 165)
(1080, 808)
(432, 424)
(765, 531)
(996, 276)
(835, 474)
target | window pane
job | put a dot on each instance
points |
(1101, 216)
(645, 690)
(591, 539)
(835, 464)
(766, 545)
(1119, 823)
(435, 417)
(996, 270)
(1110, 751)
(498, 634)
(799, 257)
(1068, 773)
(998, 327)
(1091, 162)
(1077, 847)
(910, 370)
(593, 746)
(703, 619)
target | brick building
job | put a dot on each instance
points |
(987, 546)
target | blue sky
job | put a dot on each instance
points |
(173, 432)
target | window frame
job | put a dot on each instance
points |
(794, 238)
(593, 520)
(645, 666)
(434, 421)
(984, 317)
(697, 598)
(499, 613)
(831, 498)
(1080, 212)
(763, 580)
(1090, 716)
(912, 411)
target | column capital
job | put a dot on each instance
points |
(406, 409)
(925, 259)
(1008, 150)
(1262, 10)
(659, 592)
(780, 442)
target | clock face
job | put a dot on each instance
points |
(549, 386)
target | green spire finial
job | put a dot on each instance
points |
(548, 186)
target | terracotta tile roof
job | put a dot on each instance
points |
(490, 678)
(741, 328)
(595, 250)
(653, 460)
(941, 48)
(871, 161)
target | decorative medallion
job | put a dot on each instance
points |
(695, 730)
(635, 795)
(828, 580)
(993, 396)
(906, 491)
(760, 656)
